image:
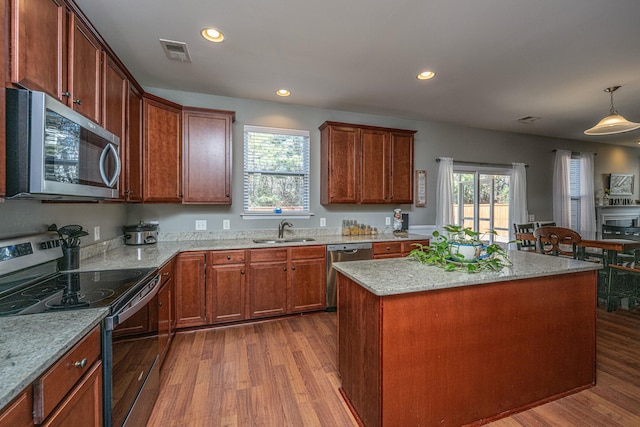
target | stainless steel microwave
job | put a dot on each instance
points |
(54, 153)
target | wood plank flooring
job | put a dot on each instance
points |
(283, 373)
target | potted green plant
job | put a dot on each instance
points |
(462, 248)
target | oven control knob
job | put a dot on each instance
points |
(81, 364)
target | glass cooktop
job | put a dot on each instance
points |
(68, 291)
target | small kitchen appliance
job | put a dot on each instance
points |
(30, 283)
(140, 234)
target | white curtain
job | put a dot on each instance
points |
(561, 189)
(518, 212)
(444, 192)
(587, 195)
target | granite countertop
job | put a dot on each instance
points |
(30, 344)
(400, 276)
(157, 254)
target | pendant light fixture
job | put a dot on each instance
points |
(614, 122)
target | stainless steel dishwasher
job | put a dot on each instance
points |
(339, 253)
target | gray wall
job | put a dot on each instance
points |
(432, 140)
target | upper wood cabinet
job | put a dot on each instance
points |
(85, 70)
(365, 164)
(206, 151)
(162, 150)
(131, 177)
(38, 31)
(114, 110)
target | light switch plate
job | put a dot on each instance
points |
(532, 217)
(226, 224)
(96, 233)
(323, 222)
(201, 224)
(387, 220)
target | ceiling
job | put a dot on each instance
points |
(495, 60)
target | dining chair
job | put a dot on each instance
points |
(523, 244)
(554, 240)
(545, 224)
(627, 233)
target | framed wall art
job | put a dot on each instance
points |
(621, 184)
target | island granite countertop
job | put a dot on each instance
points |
(400, 276)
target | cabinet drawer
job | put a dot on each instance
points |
(308, 252)
(268, 255)
(53, 386)
(227, 257)
(409, 246)
(382, 248)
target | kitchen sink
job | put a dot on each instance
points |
(293, 240)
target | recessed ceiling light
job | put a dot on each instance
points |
(426, 75)
(283, 92)
(212, 35)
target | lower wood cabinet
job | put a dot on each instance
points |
(395, 249)
(20, 412)
(308, 278)
(166, 309)
(226, 286)
(267, 282)
(190, 289)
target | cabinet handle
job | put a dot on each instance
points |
(160, 304)
(81, 364)
(166, 273)
(388, 248)
(293, 268)
(228, 257)
(241, 271)
(66, 94)
(77, 102)
(285, 269)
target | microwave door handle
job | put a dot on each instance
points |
(109, 148)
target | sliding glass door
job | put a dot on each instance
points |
(481, 201)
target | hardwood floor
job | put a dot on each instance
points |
(283, 373)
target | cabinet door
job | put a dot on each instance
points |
(38, 40)
(374, 178)
(228, 293)
(340, 160)
(85, 70)
(308, 285)
(162, 151)
(132, 183)
(207, 156)
(268, 282)
(190, 289)
(83, 405)
(20, 412)
(401, 168)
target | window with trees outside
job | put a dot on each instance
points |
(276, 170)
(481, 201)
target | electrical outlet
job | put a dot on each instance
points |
(226, 224)
(387, 220)
(532, 217)
(201, 224)
(96, 233)
(323, 222)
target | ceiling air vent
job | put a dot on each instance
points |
(176, 51)
(528, 120)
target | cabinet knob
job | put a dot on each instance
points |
(388, 248)
(160, 304)
(66, 94)
(241, 271)
(166, 273)
(293, 268)
(228, 257)
(77, 102)
(285, 269)
(81, 364)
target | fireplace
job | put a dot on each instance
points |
(619, 215)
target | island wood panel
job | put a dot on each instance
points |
(456, 356)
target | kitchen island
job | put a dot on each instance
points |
(421, 346)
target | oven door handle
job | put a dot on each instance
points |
(151, 289)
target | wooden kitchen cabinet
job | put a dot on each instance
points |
(365, 164)
(395, 248)
(166, 309)
(226, 286)
(267, 282)
(84, 71)
(70, 392)
(39, 42)
(308, 278)
(19, 413)
(190, 289)
(206, 151)
(114, 110)
(162, 150)
(131, 177)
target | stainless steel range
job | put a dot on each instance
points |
(30, 283)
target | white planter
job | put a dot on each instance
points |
(470, 252)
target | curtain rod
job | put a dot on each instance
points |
(500, 165)
(574, 153)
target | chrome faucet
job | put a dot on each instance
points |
(284, 223)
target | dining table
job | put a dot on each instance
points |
(609, 251)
